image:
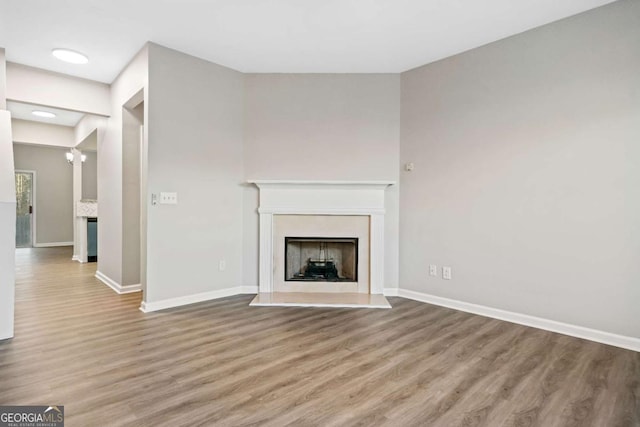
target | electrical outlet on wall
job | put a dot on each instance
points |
(433, 270)
(446, 273)
(222, 265)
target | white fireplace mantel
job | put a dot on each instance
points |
(289, 197)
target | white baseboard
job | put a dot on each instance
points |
(390, 292)
(622, 341)
(148, 307)
(76, 258)
(52, 244)
(117, 286)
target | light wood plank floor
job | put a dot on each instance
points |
(224, 363)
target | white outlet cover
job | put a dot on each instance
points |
(446, 273)
(433, 270)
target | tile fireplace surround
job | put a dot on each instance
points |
(281, 199)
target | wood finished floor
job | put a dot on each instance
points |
(224, 363)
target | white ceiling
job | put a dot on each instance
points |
(338, 36)
(22, 111)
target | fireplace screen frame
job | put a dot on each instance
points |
(354, 240)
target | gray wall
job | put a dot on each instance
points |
(54, 191)
(526, 176)
(195, 149)
(325, 127)
(90, 176)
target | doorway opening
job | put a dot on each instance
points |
(133, 200)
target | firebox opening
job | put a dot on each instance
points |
(321, 259)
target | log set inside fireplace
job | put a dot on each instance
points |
(321, 259)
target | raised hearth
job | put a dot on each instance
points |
(310, 299)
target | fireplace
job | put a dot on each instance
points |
(322, 242)
(321, 259)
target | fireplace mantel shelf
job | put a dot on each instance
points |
(276, 182)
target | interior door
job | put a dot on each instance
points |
(24, 209)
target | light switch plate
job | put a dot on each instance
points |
(169, 198)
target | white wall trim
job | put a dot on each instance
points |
(249, 289)
(390, 292)
(117, 286)
(52, 244)
(75, 258)
(148, 307)
(622, 341)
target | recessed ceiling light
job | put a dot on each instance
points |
(71, 56)
(45, 114)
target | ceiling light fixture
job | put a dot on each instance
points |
(45, 114)
(70, 56)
